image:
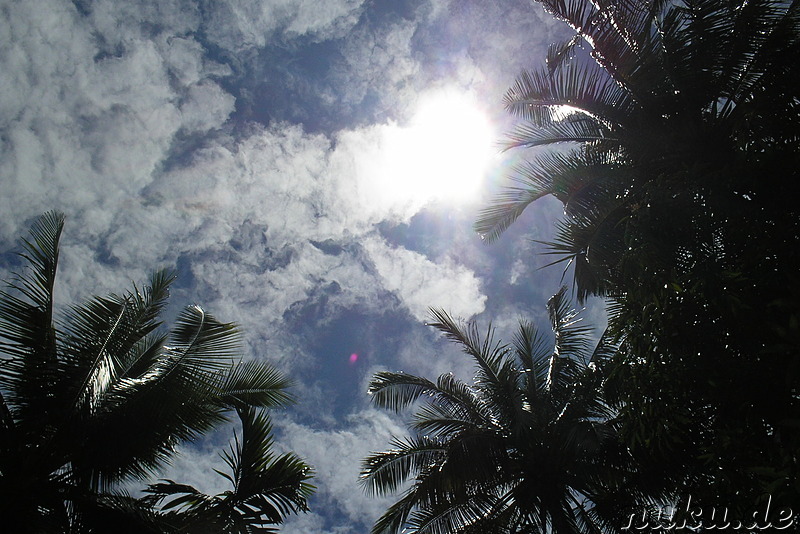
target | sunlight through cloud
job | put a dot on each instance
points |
(441, 155)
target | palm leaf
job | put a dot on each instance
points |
(266, 487)
(397, 391)
(581, 179)
(560, 52)
(395, 517)
(440, 421)
(538, 96)
(571, 336)
(29, 363)
(175, 399)
(454, 517)
(254, 383)
(574, 128)
(383, 473)
(487, 354)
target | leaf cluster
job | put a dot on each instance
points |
(669, 129)
(102, 395)
(522, 448)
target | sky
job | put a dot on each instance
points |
(310, 169)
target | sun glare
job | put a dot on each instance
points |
(441, 155)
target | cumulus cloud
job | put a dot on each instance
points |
(378, 63)
(336, 455)
(421, 284)
(90, 104)
(237, 25)
(124, 116)
(249, 212)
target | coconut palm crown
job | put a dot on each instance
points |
(101, 395)
(675, 119)
(669, 131)
(526, 447)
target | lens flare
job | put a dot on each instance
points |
(353, 358)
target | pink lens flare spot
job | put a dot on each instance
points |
(353, 358)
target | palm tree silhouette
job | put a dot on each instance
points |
(527, 447)
(101, 395)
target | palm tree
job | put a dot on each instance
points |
(265, 487)
(527, 447)
(669, 131)
(100, 395)
(682, 117)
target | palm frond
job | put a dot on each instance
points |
(571, 335)
(117, 512)
(497, 375)
(487, 354)
(200, 339)
(504, 210)
(539, 96)
(255, 383)
(574, 128)
(188, 496)
(395, 517)
(266, 487)
(533, 352)
(28, 348)
(452, 517)
(592, 242)
(560, 52)
(383, 473)
(175, 399)
(104, 339)
(275, 486)
(397, 391)
(612, 29)
(581, 179)
(41, 253)
(440, 421)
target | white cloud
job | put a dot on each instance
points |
(310, 523)
(323, 20)
(241, 24)
(379, 62)
(336, 456)
(122, 23)
(206, 106)
(90, 107)
(289, 188)
(421, 283)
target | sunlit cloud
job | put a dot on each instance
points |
(128, 117)
(441, 155)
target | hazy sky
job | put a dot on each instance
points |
(312, 169)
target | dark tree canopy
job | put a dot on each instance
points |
(670, 130)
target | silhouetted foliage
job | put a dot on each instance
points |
(101, 395)
(528, 446)
(678, 125)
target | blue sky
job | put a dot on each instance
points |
(278, 155)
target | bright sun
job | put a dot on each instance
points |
(441, 155)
